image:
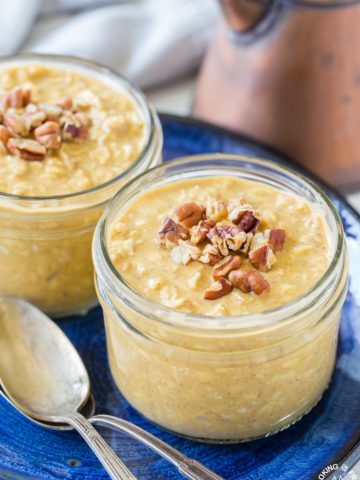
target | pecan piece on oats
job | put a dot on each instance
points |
(258, 283)
(33, 119)
(53, 112)
(218, 289)
(217, 211)
(18, 98)
(65, 103)
(249, 281)
(211, 255)
(236, 238)
(275, 238)
(4, 102)
(73, 128)
(184, 252)
(217, 235)
(5, 134)
(246, 245)
(172, 232)
(15, 124)
(245, 219)
(48, 134)
(199, 232)
(189, 214)
(83, 119)
(227, 265)
(75, 134)
(240, 279)
(26, 149)
(258, 240)
(262, 258)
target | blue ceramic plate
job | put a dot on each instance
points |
(322, 438)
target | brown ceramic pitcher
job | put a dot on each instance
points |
(287, 72)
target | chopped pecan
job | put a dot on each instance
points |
(217, 236)
(246, 245)
(184, 252)
(275, 238)
(65, 103)
(18, 98)
(235, 238)
(53, 112)
(258, 240)
(189, 214)
(240, 280)
(218, 289)
(26, 149)
(229, 237)
(48, 134)
(248, 222)
(262, 258)
(258, 283)
(217, 211)
(172, 232)
(249, 281)
(15, 124)
(73, 129)
(199, 232)
(5, 134)
(83, 118)
(211, 255)
(4, 102)
(223, 268)
(245, 218)
(33, 119)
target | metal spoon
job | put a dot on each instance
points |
(87, 411)
(43, 376)
(188, 467)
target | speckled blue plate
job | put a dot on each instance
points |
(321, 438)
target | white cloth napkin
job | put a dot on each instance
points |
(149, 41)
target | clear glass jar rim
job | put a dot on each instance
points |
(100, 69)
(155, 310)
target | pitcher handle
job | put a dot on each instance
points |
(250, 19)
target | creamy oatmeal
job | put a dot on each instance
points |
(180, 271)
(82, 132)
(66, 128)
(214, 327)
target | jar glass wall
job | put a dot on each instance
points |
(230, 378)
(45, 242)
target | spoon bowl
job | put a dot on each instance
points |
(43, 376)
(40, 370)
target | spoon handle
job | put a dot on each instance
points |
(186, 466)
(112, 464)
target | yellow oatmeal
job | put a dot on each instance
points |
(154, 271)
(115, 131)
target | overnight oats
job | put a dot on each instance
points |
(71, 133)
(221, 279)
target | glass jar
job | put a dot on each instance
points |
(229, 378)
(45, 242)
